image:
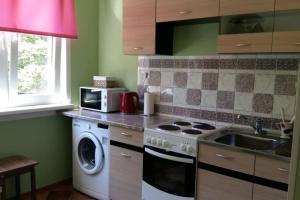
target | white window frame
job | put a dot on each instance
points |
(8, 81)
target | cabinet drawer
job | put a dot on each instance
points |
(174, 10)
(126, 136)
(125, 174)
(286, 41)
(245, 43)
(265, 193)
(235, 7)
(213, 186)
(287, 4)
(221, 157)
(272, 169)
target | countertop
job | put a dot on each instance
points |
(131, 121)
(139, 122)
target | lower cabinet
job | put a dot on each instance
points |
(265, 193)
(213, 186)
(125, 174)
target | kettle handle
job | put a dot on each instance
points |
(137, 101)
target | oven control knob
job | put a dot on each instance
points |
(183, 147)
(159, 142)
(153, 141)
(165, 143)
(189, 149)
(148, 139)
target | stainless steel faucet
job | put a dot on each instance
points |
(258, 127)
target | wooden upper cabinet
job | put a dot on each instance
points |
(245, 43)
(286, 41)
(139, 26)
(236, 7)
(287, 4)
(175, 10)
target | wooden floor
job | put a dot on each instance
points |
(65, 186)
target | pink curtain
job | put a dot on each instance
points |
(41, 17)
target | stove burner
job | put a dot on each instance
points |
(182, 123)
(203, 126)
(169, 127)
(192, 132)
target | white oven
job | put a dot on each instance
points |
(168, 175)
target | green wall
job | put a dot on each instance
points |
(48, 139)
(112, 62)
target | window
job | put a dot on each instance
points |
(33, 70)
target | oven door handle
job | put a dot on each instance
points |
(173, 158)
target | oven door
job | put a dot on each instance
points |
(90, 98)
(168, 175)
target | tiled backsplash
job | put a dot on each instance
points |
(222, 89)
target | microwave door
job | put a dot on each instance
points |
(169, 172)
(91, 99)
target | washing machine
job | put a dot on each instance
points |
(91, 158)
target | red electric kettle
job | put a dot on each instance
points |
(129, 102)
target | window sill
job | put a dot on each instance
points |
(16, 113)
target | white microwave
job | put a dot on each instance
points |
(100, 99)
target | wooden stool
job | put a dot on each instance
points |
(14, 166)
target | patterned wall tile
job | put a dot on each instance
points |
(285, 85)
(181, 63)
(210, 81)
(243, 119)
(180, 79)
(225, 117)
(286, 102)
(243, 101)
(167, 79)
(209, 98)
(266, 64)
(251, 86)
(263, 103)
(180, 111)
(196, 63)
(246, 64)
(194, 80)
(209, 115)
(228, 63)
(288, 64)
(193, 97)
(264, 84)
(167, 63)
(226, 82)
(166, 95)
(154, 63)
(155, 78)
(244, 83)
(179, 97)
(193, 113)
(164, 109)
(225, 100)
(209, 63)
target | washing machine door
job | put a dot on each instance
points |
(90, 156)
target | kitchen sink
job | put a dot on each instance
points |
(248, 141)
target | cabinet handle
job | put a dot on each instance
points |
(243, 45)
(125, 155)
(297, 43)
(137, 48)
(185, 12)
(225, 157)
(126, 134)
(282, 169)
